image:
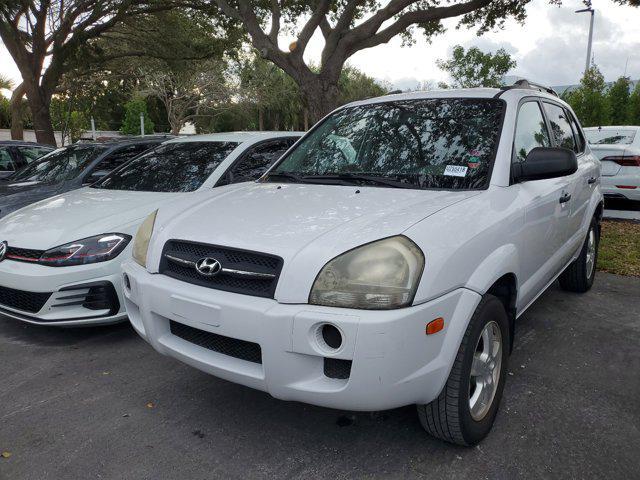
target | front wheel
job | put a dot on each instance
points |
(580, 274)
(465, 410)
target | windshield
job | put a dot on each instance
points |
(62, 164)
(427, 143)
(610, 137)
(174, 167)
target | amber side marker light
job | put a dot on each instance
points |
(434, 326)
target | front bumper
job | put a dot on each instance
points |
(71, 289)
(393, 362)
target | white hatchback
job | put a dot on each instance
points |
(60, 258)
(384, 259)
(618, 148)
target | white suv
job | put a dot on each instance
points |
(384, 259)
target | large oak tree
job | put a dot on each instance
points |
(44, 36)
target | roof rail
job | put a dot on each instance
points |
(526, 84)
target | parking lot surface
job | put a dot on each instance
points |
(100, 403)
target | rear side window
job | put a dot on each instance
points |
(577, 133)
(6, 162)
(256, 161)
(560, 127)
(531, 131)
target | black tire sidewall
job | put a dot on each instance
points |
(596, 231)
(493, 310)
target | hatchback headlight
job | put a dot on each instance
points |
(376, 276)
(142, 238)
(88, 250)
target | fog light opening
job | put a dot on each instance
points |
(329, 337)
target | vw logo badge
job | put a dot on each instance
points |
(3, 250)
(208, 267)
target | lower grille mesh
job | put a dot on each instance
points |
(20, 300)
(337, 368)
(232, 347)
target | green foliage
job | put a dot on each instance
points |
(634, 106)
(5, 112)
(72, 123)
(131, 122)
(618, 99)
(589, 101)
(474, 68)
(355, 85)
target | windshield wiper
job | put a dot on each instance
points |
(356, 177)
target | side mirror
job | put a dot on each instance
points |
(546, 162)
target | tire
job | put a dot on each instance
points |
(580, 274)
(450, 417)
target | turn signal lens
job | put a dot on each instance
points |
(434, 326)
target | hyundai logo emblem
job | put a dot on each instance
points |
(208, 267)
(3, 250)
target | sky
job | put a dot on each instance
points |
(550, 48)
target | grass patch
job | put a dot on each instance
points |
(620, 248)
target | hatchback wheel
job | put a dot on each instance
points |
(465, 410)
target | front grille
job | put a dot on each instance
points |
(23, 254)
(232, 347)
(100, 296)
(337, 368)
(231, 258)
(20, 300)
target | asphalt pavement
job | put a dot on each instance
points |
(100, 403)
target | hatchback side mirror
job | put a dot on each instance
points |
(546, 162)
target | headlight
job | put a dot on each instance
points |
(88, 250)
(377, 276)
(142, 238)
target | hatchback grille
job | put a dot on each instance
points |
(23, 254)
(20, 300)
(232, 347)
(99, 296)
(229, 258)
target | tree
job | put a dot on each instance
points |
(618, 98)
(131, 122)
(474, 68)
(589, 100)
(347, 27)
(634, 106)
(5, 83)
(43, 37)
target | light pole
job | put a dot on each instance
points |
(592, 12)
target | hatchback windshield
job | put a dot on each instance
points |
(174, 167)
(59, 165)
(428, 143)
(610, 137)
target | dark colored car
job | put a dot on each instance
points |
(16, 154)
(65, 169)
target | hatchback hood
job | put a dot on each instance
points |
(294, 220)
(78, 214)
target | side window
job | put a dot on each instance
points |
(256, 161)
(32, 153)
(577, 133)
(118, 157)
(531, 131)
(6, 162)
(560, 126)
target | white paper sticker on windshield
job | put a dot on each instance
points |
(456, 171)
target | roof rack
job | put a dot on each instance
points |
(531, 86)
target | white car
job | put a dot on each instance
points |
(60, 258)
(618, 148)
(383, 260)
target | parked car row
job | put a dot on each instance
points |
(381, 260)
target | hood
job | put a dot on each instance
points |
(17, 195)
(308, 224)
(78, 214)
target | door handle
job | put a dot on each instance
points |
(592, 180)
(565, 197)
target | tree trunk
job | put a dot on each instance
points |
(260, 119)
(39, 103)
(321, 97)
(17, 112)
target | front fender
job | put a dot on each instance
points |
(504, 260)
